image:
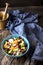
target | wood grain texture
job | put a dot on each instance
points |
(3, 33)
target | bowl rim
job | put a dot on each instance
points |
(9, 36)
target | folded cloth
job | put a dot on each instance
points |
(36, 37)
(24, 23)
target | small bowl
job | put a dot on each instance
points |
(12, 36)
(3, 21)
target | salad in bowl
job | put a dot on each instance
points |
(15, 46)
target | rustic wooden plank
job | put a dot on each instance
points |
(6, 60)
(27, 61)
(3, 33)
(19, 61)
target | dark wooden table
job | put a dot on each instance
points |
(4, 60)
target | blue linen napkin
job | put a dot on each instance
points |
(25, 23)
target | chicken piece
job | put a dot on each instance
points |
(19, 40)
(6, 45)
(14, 48)
(23, 49)
(14, 45)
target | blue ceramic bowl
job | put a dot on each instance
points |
(12, 36)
